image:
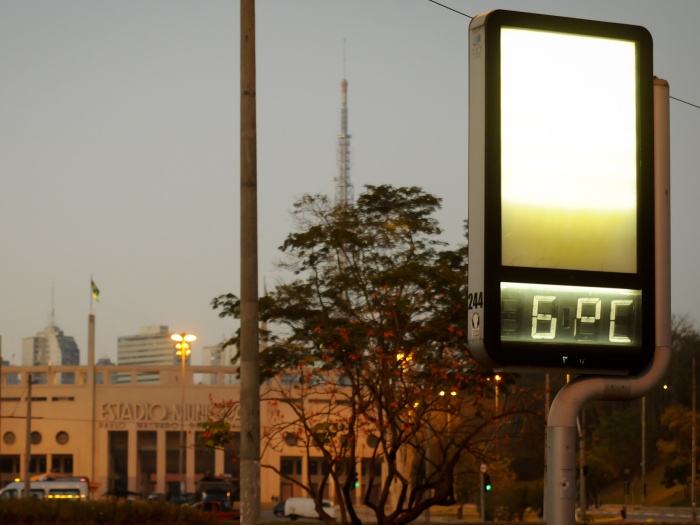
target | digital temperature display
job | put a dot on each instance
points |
(561, 194)
(570, 314)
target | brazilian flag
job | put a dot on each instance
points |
(95, 291)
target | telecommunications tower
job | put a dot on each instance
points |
(344, 194)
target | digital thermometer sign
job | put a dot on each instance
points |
(561, 194)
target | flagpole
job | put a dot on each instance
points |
(94, 293)
(91, 375)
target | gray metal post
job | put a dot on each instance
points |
(561, 474)
(546, 418)
(561, 424)
(583, 503)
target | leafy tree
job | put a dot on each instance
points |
(515, 498)
(374, 323)
(685, 345)
(611, 445)
(674, 444)
(676, 448)
(614, 427)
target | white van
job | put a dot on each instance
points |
(75, 489)
(306, 508)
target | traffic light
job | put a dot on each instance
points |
(487, 483)
(355, 481)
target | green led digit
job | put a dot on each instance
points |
(588, 317)
(544, 321)
(621, 320)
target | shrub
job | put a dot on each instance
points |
(43, 512)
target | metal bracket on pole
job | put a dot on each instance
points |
(561, 424)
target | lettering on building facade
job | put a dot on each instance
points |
(155, 415)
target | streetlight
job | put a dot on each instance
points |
(182, 350)
(497, 379)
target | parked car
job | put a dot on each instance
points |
(155, 497)
(306, 508)
(278, 509)
(177, 498)
(218, 510)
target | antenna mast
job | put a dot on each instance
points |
(344, 193)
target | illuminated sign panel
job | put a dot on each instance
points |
(561, 200)
(569, 173)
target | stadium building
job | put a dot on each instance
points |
(124, 434)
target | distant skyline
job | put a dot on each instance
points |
(119, 143)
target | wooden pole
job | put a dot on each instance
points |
(644, 451)
(28, 440)
(693, 450)
(250, 351)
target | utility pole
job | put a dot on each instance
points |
(693, 449)
(583, 502)
(28, 440)
(644, 451)
(1, 380)
(250, 350)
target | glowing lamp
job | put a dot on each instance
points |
(183, 337)
(561, 194)
(183, 343)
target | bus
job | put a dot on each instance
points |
(217, 488)
(62, 488)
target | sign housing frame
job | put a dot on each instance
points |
(488, 274)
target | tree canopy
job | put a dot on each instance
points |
(375, 319)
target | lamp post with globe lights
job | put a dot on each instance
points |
(182, 347)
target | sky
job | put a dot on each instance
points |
(119, 142)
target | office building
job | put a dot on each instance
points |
(50, 348)
(218, 356)
(151, 347)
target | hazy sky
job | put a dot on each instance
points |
(119, 142)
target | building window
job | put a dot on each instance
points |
(147, 446)
(203, 457)
(62, 438)
(9, 468)
(232, 454)
(290, 466)
(9, 438)
(287, 466)
(118, 453)
(344, 381)
(35, 438)
(172, 454)
(62, 464)
(37, 465)
(289, 379)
